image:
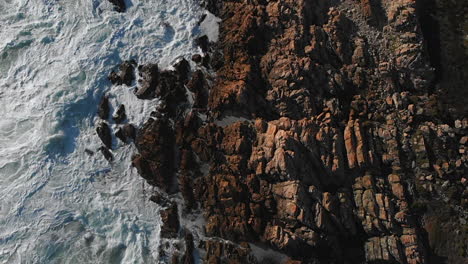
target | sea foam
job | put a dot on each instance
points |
(59, 204)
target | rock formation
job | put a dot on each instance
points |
(119, 5)
(322, 136)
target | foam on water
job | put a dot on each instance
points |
(58, 204)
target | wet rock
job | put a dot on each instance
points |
(203, 43)
(188, 257)
(119, 115)
(129, 131)
(104, 132)
(197, 85)
(107, 154)
(156, 160)
(159, 199)
(103, 108)
(126, 133)
(126, 74)
(183, 69)
(217, 251)
(148, 82)
(170, 221)
(197, 58)
(120, 135)
(319, 135)
(119, 5)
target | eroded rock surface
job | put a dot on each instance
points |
(321, 136)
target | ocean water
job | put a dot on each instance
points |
(57, 203)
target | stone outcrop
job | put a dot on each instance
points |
(103, 108)
(119, 115)
(119, 5)
(126, 73)
(321, 137)
(170, 221)
(104, 132)
(156, 159)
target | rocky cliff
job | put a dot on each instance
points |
(314, 132)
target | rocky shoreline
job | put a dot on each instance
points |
(315, 129)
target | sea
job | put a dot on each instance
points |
(59, 203)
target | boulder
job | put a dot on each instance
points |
(104, 132)
(119, 115)
(103, 108)
(119, 5)
(125, 75)
(170, 221)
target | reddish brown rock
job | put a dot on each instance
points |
(156, 160)
(320, 136)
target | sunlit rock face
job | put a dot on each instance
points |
(314, 130)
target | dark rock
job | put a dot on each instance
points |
(103, 108)
(202, 18)
(148, 82)
(206, 62)
(183, 69)
(170, 221)
(120, 135)
(126, 74)
(107, 154)
(203, 42)
(189, 248)
(129, 131)
(120, 116)
(89, 152)
(104, 132)
(155, 142)
(197, 58)
(198, 86)
(159, 199)
(119, 5)
(126, 133)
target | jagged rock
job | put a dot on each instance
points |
(106, 153)
(104, 132)
(170, 221)
(183, 69)
(147, 83)
(197, 58)
(126, 133)
(129, 131)
(119, 115)
(119, 5)
(103, 108)
(320, 135)
(189, 249)
(198, 86)
(126, 74)
(220, 252)
(203, 43)
(155, 143)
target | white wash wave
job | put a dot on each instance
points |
(58, 204)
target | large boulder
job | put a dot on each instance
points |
(125, 75)
(104, 132)
(119, 5)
